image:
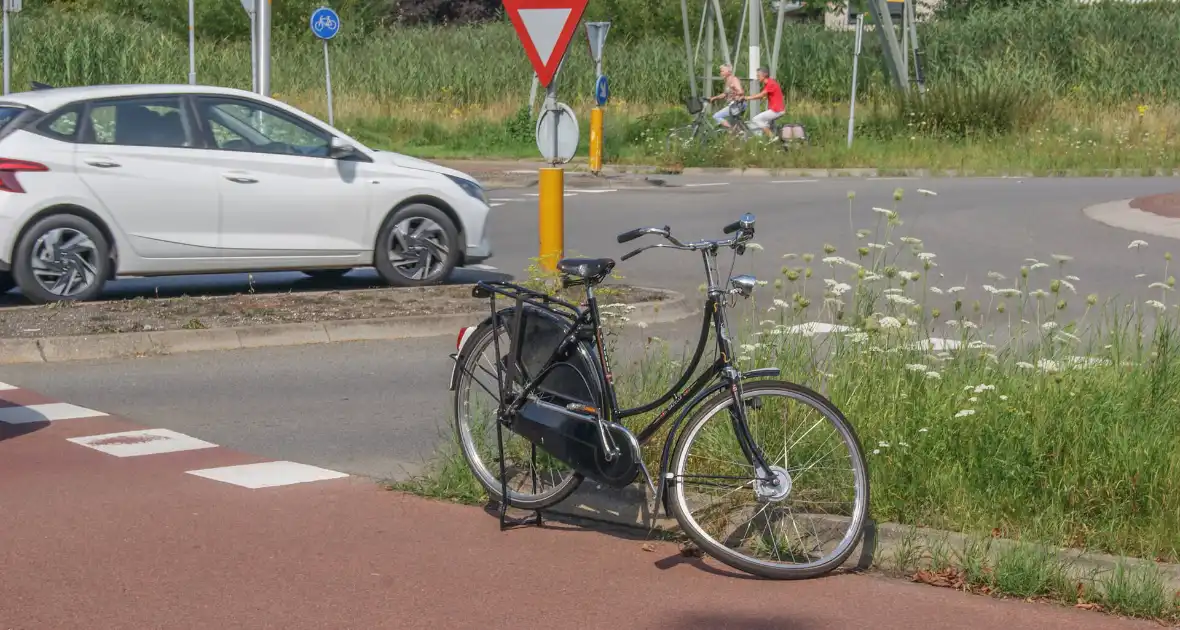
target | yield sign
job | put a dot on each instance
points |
(545, 28)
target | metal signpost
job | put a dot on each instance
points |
(860, 31)
(248, 5)
(596, 36)
(262, 45)
(10, 6)
(545, 29)
(192, 44)
(325, 24)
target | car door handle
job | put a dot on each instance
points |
(238, 178)
(102, 163)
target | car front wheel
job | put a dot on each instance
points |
(417, 246)
(62, 258)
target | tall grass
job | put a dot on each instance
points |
(1105, 53)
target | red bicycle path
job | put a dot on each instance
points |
(97, 542)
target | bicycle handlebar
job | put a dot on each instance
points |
(743, 227)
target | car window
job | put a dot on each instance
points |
(154, 122)
(63, 126)
(242, 126)
(8, 113)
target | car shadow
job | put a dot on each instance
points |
(261, 283)
(11, 431)
(19, 420)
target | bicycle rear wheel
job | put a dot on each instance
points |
(776, 532)
(535, 479)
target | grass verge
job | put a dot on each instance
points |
(1022, 409)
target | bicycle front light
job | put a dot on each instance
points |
(471, 188)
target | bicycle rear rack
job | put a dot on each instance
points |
(520, 297)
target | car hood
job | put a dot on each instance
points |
(405, 161)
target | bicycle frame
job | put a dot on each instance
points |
(680, 400)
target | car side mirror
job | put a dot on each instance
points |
(339, 149)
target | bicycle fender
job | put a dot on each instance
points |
(673, 432)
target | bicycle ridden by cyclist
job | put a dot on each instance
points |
(775, 107)
(733, 93)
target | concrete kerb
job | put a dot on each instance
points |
(882, 543)
(1121, 215)
(138, 344)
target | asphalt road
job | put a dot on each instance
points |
(378, 408)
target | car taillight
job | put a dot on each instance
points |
(9, 169)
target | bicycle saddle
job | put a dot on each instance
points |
(592, 270)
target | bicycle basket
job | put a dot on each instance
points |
(737, 108)
(574, 378)
(694, 105)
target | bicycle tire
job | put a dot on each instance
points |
(679, 502)
(481, 339)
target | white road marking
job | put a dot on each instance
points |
(5, 387)
(817, 328)
(267, 474)
(495, 204)
(568, 194)
(481, 267)
(145, 442)
(593, 192)
(795, 181)
(885, 179)
(706, 185)
(49, 412)
(505, 199)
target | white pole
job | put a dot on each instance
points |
(262, 15)
(860, 29)
(7, 53)
(328, 82)
(253, 53)
(192, 53)
(755, 54)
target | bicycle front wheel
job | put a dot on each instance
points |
(805, 525)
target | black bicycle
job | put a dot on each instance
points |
(776, 486)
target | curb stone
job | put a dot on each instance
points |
(169, 342)
(881, 543)
(1121, 215)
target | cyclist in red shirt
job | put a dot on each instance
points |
(773, 93)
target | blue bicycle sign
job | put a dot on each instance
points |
(325, 23)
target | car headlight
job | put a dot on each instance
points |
(471, 188)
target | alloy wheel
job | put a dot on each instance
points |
(65, 261)
(418, 248)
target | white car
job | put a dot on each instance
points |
(152, 180)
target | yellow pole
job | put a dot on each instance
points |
(551, 218)
(596, 140)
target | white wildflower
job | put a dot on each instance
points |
(746, 347)
(835, 260)
(1140, 275)
(1024, 365)
(1062, 257)
(1073, 278)
(890, 322)
(909, 240)
(1136, 244)
(928, 193)
(1049, 366)
(767, 322)
(933, 375)
(900, 299)
(916, 367)
(883, 444)
(964, 413)
(781, 303)
(936, 290)
(1039, 293)
(883, 211)
(754, 247)
(840, 289)
(1038, 266)
(642, 325)
(979, 389)
(876, 451)
(876, 246)
(923, 430)
(1048, 326)
(1069, 285)
(912, 276)
(995, 275)
(980, 345)
(954, 290)
(1156, 304)
(1160, 285)
(927, 256)
(893, 291)
(857, 337)
(1002, 397)
(990, 289)
(1031, 260)
(973, 399)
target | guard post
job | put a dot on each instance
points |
(546, 35)
(596, 36)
